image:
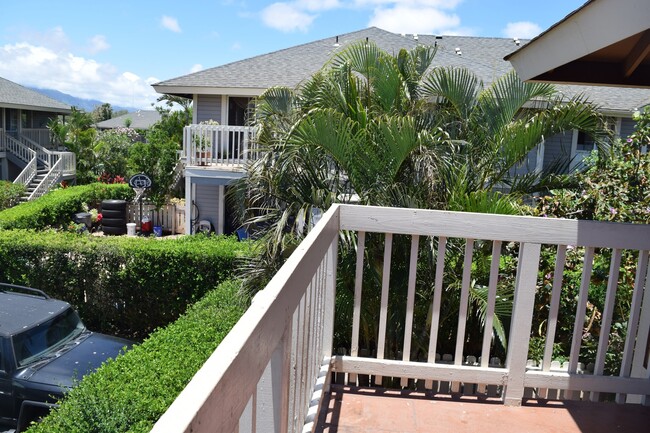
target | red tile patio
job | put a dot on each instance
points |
(365, 410)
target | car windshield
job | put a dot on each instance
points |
(47, 338)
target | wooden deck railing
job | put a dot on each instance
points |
(42, 136)
(266, 372)
(226, 146)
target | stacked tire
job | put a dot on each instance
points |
(114, 217)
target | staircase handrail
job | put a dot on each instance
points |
(25, 154)
(47, 156)
(69, 162)
(49, 181)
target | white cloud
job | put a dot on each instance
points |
(286, 17)
(522, 29)
(236, 46)
(438, 4)
(409, 19)
(196, 68)
(98, 43)
(317, 5)
(403, 16)
(170, 23)
(43, 67)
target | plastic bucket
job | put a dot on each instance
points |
(157, 231)
(130, 229)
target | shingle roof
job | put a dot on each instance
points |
(16, 96)
(288, 67)
(141, 119)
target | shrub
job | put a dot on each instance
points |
(120, 285)
(10, 194)
(130, 393)
(616, 188)
(56, 208)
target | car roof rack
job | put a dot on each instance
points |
(26, 290)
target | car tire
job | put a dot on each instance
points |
(113, 205)
(113, 213)
(114, 230)
(113, 222)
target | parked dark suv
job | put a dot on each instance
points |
(44, 349)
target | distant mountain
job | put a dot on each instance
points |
(87, 105)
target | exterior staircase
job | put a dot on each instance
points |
(42, 168)
(41, 173)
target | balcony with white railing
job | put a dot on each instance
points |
(274, 368)
(221, 147)
(42, 136)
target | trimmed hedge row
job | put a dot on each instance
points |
(57, 207)
(125, 286)
(130, 393)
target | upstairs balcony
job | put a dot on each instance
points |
(218, 147)
(278, 370)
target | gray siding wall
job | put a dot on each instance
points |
(558, 148)
(208, 107)
(40, 119)
(528, 165)
(627, 127)
(207, 200)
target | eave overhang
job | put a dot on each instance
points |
(604, 42)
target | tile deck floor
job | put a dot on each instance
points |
(364, 410)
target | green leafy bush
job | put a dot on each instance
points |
(130, 393)
(616, 188)
(10, 194)
(126, 286)
(611, 189)
(57, 207)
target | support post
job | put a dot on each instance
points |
(522, 312)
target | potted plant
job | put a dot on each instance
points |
(202, 141)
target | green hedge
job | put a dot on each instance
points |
(120, 285)
(10, 194)
(130, 393)
(57, 207)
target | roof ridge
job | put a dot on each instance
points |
(365, 30)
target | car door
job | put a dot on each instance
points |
(6, 389)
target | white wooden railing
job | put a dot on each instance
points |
(227, 146)
(41, 136)
(68, 163)
(25, 154)
(51, 179)
(266, 374)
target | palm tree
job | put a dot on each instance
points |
(371, 128)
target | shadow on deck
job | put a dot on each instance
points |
(363, 410)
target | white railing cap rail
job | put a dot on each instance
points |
(529, 229)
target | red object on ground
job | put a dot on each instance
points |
(147, 226)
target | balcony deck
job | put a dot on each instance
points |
(371, 410)
(272, 372)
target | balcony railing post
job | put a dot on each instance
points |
(522, 314)
(271, 400)
(330, 296)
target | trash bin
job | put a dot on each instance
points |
(83, 218)
(157, 231)
(130, 229)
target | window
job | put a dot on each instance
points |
(585, 142)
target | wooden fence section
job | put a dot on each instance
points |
(266, 372)
(170, 216)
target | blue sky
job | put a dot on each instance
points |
(113, 51)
